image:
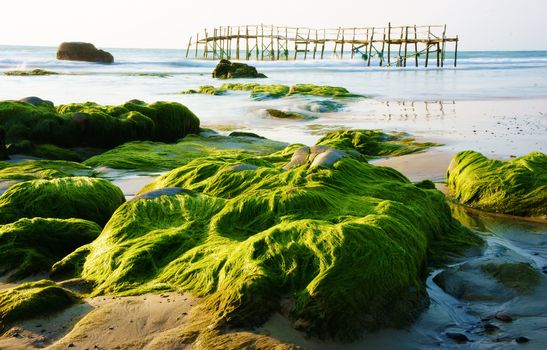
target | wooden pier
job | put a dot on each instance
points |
(391, 46)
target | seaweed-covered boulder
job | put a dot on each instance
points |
(517, 186)
(276, 113)
(33, 299)
(32, 246)
(32, 123)
(334, 242)
(69, 197)
(374, 142)
(230, 70)
(320, 90)
(79, 51)
(42, 169)
(155, 156)
(264, 92)
(33, 100)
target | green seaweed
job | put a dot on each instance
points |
(153, 156)
(33, 299)
(31, 246)
(68, 197)
(264, 92)
(93, 125)
(374, 143)
(42, 169)
(239, 86)
(516, 187)
(30, 72)
(320, 90)
(519, 276)
(276, 113)
(344, 241)
(207, 90)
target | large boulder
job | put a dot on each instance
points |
(516, 187)
(333, 242)
(228, 70)
(78, 51)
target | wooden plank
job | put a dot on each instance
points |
(456, 53)
(416, 45)
(370, 47)
(237, 42)
(389, 44)
(188, 48)
(406, 45)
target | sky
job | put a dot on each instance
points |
(480, 24)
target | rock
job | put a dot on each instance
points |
(516, 187)
(169, 191)
(245, 134)
(31, 246)
(79, 51)
(276, 113)
(522, 340)
(30, 72)
(459, 338)
(36, 101)
(504, 318)
(228, 70)
(490, 328)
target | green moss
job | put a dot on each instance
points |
(320, 90)
(374, 142)
(345, 241)
(30, 72)
(239, 86)
(70, 197)
(42, 169)
(32, 246)
(264, 92)
(276, 113)
(33, 299)
(519, 276)
(151, 156)
(207, 90)
(517, 187)
(93, 125)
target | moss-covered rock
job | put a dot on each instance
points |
(69, 197)
(78, 51)
(30, 72)
(374, 142)
(207, 90)
(32, 246)
(324, 106)
(230, 70)
(520, 276)
(320, 90)
(42, 169)
(517, 186)
(32, 300)
(93, 125)
(239, 86)
(343, 242)
(264, 92)
(276, 113)
(154, 156)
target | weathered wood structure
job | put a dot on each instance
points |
(398, 46)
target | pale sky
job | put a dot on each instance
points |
(480, 24)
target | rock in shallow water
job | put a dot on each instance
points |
(79, 51)
(230, 70)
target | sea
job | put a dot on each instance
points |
(494, 102)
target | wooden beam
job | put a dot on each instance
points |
(389, 44)
(456, 53)
(416, 45)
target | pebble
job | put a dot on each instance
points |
(457, 337)
(490, 328)
(504, 318)
(522, 340)
(71, 345)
